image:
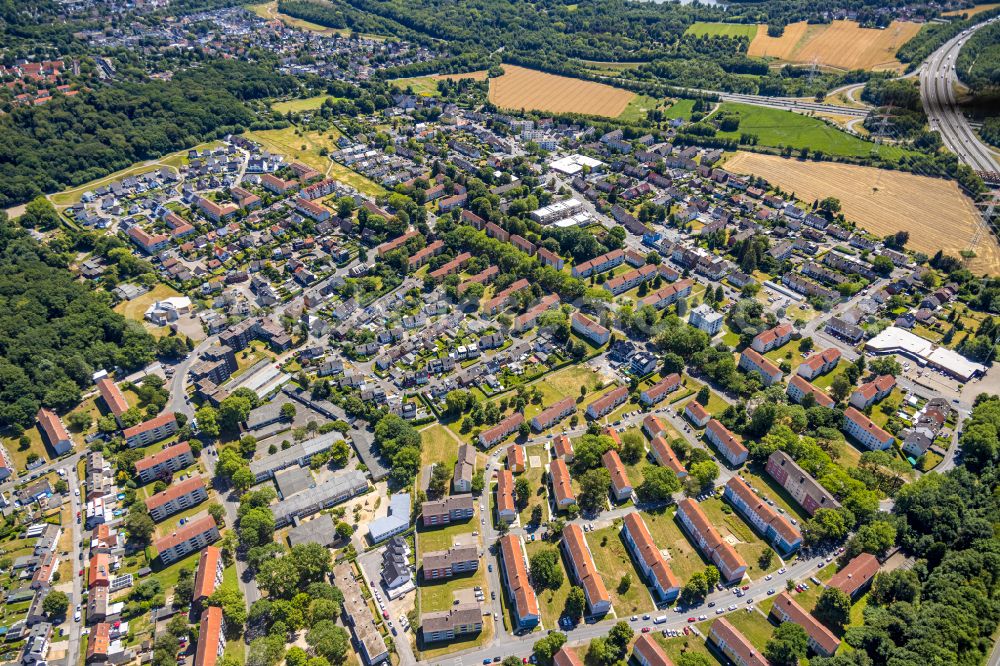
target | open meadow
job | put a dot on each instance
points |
(934, 210)
(426, 86)
(522, 88)
(699, 29)
(840, 44)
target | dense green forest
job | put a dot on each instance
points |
(72, 140)
(978, 62)
(945, 608)
(54, 331)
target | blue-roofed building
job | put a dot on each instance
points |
(396, 522)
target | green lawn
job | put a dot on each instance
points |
(682, 108)
(775, 127)
(425, 86)
(753, 625)
(823, 382)
(716, 405)
(435, 651)
(788, 352)
(808, 598)
(637, 108)
(684, 559)
(612, 560)
(677, 647)
(701, 28)
(442, 538)
(438, 446)
(20, 455)
(440, 595)
(534, 476)
(550, 602)
(168, 576)
(750, 547)
(303, 104)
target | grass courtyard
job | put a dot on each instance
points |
(612, 560)
(551, 603)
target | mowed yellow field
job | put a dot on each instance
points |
(934, 210)
(840, 44)
(522, 88)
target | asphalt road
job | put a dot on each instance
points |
(937, 91)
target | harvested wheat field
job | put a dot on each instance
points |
(522, 88)
(840, 44)
(934, 211)
(978, 9)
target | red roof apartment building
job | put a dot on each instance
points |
(666, 457)
(855, 578)
(772, 338)
(493, 436)
(517, 583)
(729, 563)
(621, 488)
(554, 414)
(505, 496)
(735, 645)
(871, 392)
(177, 497)
(189, 538)
(211, 637)
(562, 488)
(112, 397)
(209, 574)
(864, 430)
(725, 441)
(799, 388)
(55, 431)
(151, 431)
(515, 458)
(819, 363)
(607, 403)
(660, 390)
(752, 361)
(169, 460)
(649, 653)
(584, 571)
(821, 640)
(773, 526)
(654, 567)
(562, 447)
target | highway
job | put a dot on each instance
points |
(937, 91)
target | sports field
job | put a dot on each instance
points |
(522, 88)
(840, 44)
(934, 211)
(775, 127)
(700, 28)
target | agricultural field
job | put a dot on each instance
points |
(775, 127)
(824, 44)
(426, 86)
(269, 11)
(522, 88)
(978, 9)
(700, 29)
(934, 211)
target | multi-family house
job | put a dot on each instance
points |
(583, 570)
(720, 552)
(874, 391)
(621, 488)
(164, 462)
(731, 448)
(774, 527)
(864, 430)
(772, 338)
(819, 363)
(658, 391)
(186, 539)
(651, 562)
(607, 403)
(177, 497)
(820, 639)
(562, 487)
(517, 583)
(799, 388)
(806, 490)
(506, 509)
(752, 361)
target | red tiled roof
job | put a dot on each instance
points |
(761, 362)
(505, 491)
(208, 564)
(566, 657)
(608, 399)
(517, 575)
(151, 424)
(184, 533)
(113, 397)
(704, 527)
(208, 637)
(561, 484)
(696, 410)
(99, 640)
(738, 643)
(725, 438)
(174, 491)
(867, 424)
(619, 477)
(648, 551)
(817, 632)
(162, 456)
(663, 453)
(52, 425)
(822, 399)
(651, 652)
(563, 446)
(763, 510)
(665, 385)
(856, 574)
(583, 563)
